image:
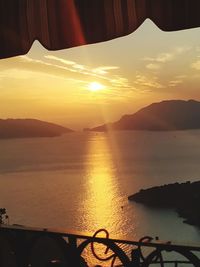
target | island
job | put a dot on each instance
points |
(182, 197)
(23, 128)
(167, 115)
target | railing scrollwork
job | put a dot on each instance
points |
(28, 247)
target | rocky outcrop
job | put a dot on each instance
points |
(183, 197)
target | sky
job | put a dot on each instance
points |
(93, 84)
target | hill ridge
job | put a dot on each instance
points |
(28, 127)
(166, 115)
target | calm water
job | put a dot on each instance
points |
(81, 181)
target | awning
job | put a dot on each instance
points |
(59, 24)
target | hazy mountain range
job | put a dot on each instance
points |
(20, 128)
(163, 116)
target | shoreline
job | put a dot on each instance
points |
(184, 198)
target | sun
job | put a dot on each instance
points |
(95, 86)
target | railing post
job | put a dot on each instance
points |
(73, 242)
(135, 257)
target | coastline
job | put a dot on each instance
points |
(184, 198)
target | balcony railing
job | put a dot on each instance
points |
(28, 247)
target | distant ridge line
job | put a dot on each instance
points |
(22, 128)
(167, 115)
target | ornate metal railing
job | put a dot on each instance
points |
(28, 247)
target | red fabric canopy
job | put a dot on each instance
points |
(60, 24)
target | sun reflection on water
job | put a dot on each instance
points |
(102, 204)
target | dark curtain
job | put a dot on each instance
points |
(60, 24)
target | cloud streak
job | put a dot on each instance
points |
(161, 58)
(147, 82)
(58, 67)
(153, 66)
(196, 65)
(61, 60)
(157, 62)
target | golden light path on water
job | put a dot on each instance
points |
(103, 204)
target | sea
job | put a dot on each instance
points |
(80, 182)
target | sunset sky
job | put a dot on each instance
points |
(86, 86)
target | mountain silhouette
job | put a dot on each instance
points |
(19, 128)
(163, 116)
